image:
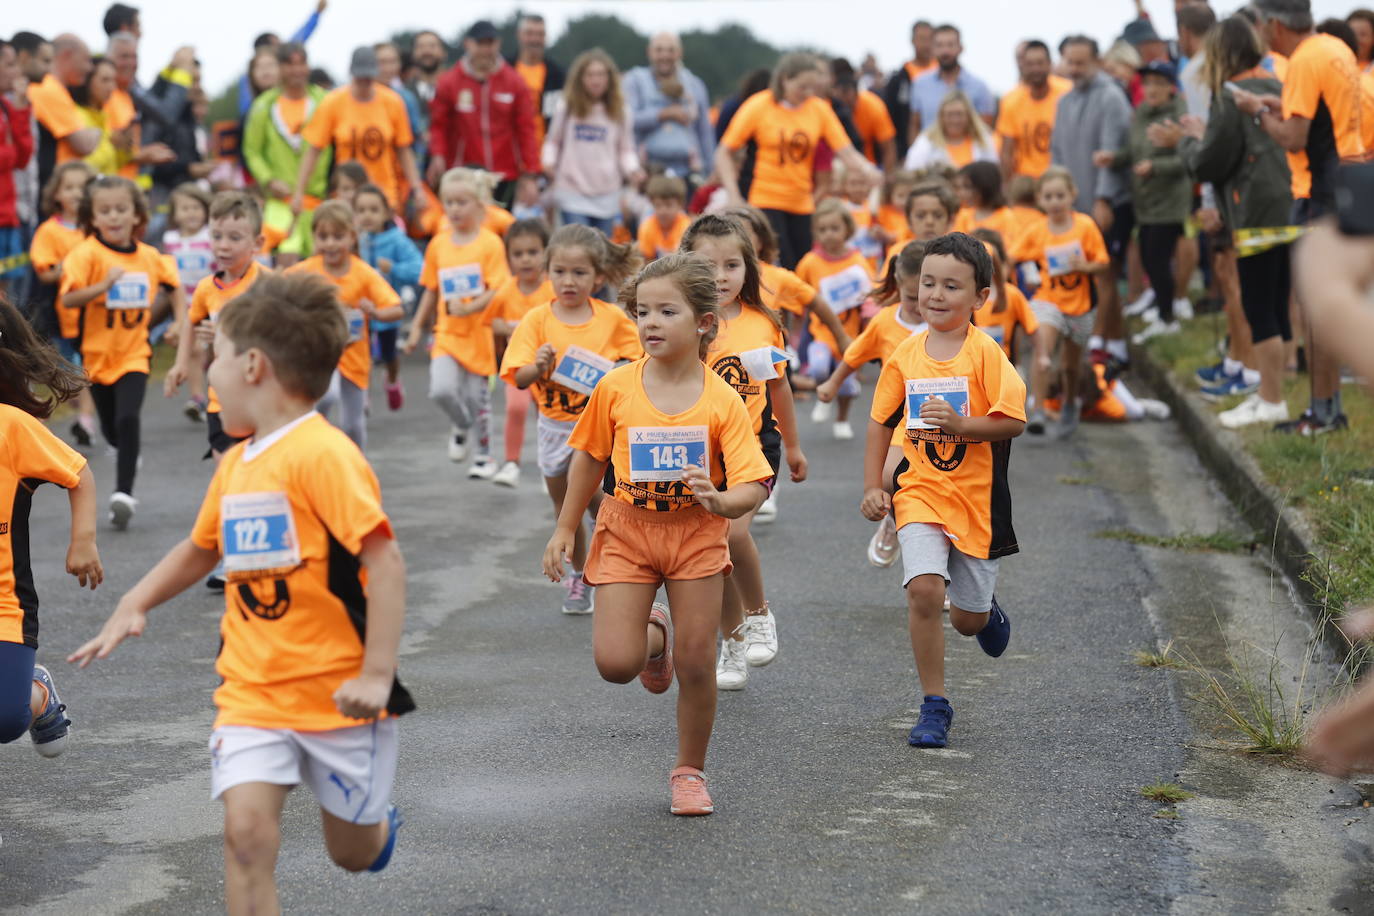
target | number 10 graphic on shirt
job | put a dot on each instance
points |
(661, 453)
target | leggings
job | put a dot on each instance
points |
(352, 402)
(517, 408)
(794, 235)
(386, 343)
(465, 397)
(1265, 280)
(16, 690)
(1158, 241)
(118, 406)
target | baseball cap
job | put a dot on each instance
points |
(1159, 68)
(364, 65)
(482, 30)
(1140, 31)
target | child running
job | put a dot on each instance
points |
(960, 402)
(34, 379)
(384, 246)
(464, 266)
(748, 353)
(527, 288)
(1006, 310)
(312, 561)
(111, 278)
(676, 436)
(188, 244)
(979, 188)
(54, 238)
(660, 233)
(562, 351)
(364, 296)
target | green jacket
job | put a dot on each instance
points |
(1248, 169)
(270, 155)
(1166, 194)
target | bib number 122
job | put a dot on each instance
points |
(250, 535)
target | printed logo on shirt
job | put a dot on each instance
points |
(731, 368)
(797, 148)
(590, 133)
(945, 451)
(659, 496)
(465, 103)
(503, 98)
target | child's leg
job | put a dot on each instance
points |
(1070, 360)
(353, 412)
(925, 570)
(103, 397)
(351, 770)
(331, 399)
(444, 380)
(252, 837)
(517, 409)
(1042, 363)
(622, 637)
(478, 389)
(743, 589)
(386, 344)
(695, 606)
(19, 693)
(128, 404)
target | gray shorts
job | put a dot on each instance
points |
(554, 453)
(1077, 328)
(928, 551)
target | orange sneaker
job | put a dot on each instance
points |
(657, 675)
(690, 798)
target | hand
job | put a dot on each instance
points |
(122, 139)
(1077, 263)
(184, 58)
(367, 307)
(637, 178)
(321, 6)
(126, 621)
(1193, 126)
(155, 154)
(558, 551)
(702, 488)
(83, 561)
(1164, 133)
(412, 341)
(279, 189)
(674, 113)
(544, 357)
(940, 413)
(796, 463)
(434, 171)
(826, 391)
(1103, 158)
(1102, 215)
(384, 265)
(1209, 219)
(112, 276)
(174, 377)
(1246, 101)
(1144, 168)
(204, 334)
(876, 504)
(364, 696)
(297, 202)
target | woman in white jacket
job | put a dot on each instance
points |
(957, 137)
(589, 151)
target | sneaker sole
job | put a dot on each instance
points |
(54, 747)
(120, 516)
(692, 812)
(739, 686)
(928, 743)
(577, 612)
(1218, 398)
(760, 663)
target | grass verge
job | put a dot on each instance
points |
(1216, 542)
(1169, 793)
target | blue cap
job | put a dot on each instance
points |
(1159, 68)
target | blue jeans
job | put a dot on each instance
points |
(605, 224)
(16, 690)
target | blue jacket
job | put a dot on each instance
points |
(392, 244)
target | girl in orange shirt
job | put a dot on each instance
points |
(527, 288)
(979, 187)
(684, 462)
(747, 353)
(889, 224)
(1006, 308)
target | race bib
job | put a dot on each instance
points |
(357, 323)
(994, 331)
(1057, 258)
(193, 266)
(580, 369)
(129, 292)
(847, 289)
(462, 282)
(258, 533)
(659, 453)
(868, 246)
(761, 364)
(953, 390)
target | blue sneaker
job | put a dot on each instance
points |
(49, 728)
(393, 824)
(1228, 386)
(996, 633)
(932, 728)
(1210, 375)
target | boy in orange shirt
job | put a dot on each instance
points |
(661, 235)
(311, 559)
(961, 403)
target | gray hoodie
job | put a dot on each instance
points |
(1090, 118)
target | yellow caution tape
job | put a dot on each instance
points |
(1255, 241)
(13, 261)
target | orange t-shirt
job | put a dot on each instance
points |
(52, 241)
(648, 449)
(1001, 326)
(359, 283)
(368, 133)
(1002, 221)
(881, 337)
(844, 284)
(54, 109)
(114, 325)
(1071, 292)
(1323, 71)
(784, 291)
(29, 455)
(585, 353)
(1367, 109)
(211, 295)
(535, 75)
(873, 122)
(742, 354)
(893, 220)
(497, 220)
(1022, 218)
(292, 113)
(464, 272)
(1029, 123)
(948, 480)
(509, 304)
(786, 138)
(289, 515)
(914, 69)
(655, 242)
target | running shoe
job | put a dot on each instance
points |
(1157, 328)
(1254, 409)
(1210, 375)
(49, 727)
(122, 507)
(482, 468)
(821, 412)
(214, 583)
(395, 395)
(657, 675)
(578, 601)
(883, 546)
(194, 410)
(81, 434)
(996, 633)
(1068, 421)
(932, 728)
(768, 510)
(1229, 386)
(1138, 307)
(1309, 425)
(507, 476)
(843, 431)
(394, 822)
(457, 446)
(732, 669)
(1035, 423)
(688, 787)
(1183, 308)
(760, 638)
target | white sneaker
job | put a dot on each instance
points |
(1146, 300)
(1155, 329)
(507, 476)
(760, 638)
(732, 671)
(482, 468)
(768, 510)
(1150, 315)
(457, 447)
(1183, 308)
(883, 547)
(843, 431)
(821, 412)
(1254, 409)
(122, 507)
(1155, 410)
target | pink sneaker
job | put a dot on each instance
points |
(395, 395)
(690, 798)
(657, 675)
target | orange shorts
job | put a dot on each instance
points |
(631, 544)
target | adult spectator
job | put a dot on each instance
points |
(366, 123)
(543, 76)
(264, 73)
(753, 82)
(269, 41)
(34, 56)
(1025, 119)
(128, 103)
(428, 54)
(1342, 30)
(930, 89)
(671, 110)
(897, 90)
(787, 122)
(91, 99)
(389, 74)
(956, 137)
(870, 77)
(62, 135)
(121, 17)
(1317, 120)
(1361, 22)
(273, 147)
(16, 148)
(871, 121)
(482, 115)
(1095, 115)
(1194, 22)
(174, 90)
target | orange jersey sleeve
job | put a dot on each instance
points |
(883, 334)
(509, 304)
(782, 290)
(743, 354)
(54, 109)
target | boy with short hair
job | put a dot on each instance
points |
(661, 234)
(311, 561)
(961, 403)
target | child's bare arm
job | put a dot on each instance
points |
(991, 428)
(831, 321)
(76, 298)
(474, 306)
(584, 474)
(366, 695)
(420, 323)
(83, 560)
(785, 411)
(877, 502)
(731, 503)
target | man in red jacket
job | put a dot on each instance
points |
(482, 116)
(16, 146)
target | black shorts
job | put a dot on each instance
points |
(220, 441)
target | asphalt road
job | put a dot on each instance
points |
(531, 786)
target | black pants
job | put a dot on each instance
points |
(1265, 281)
(794, 235)
(1158, 242)
(118, 407)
